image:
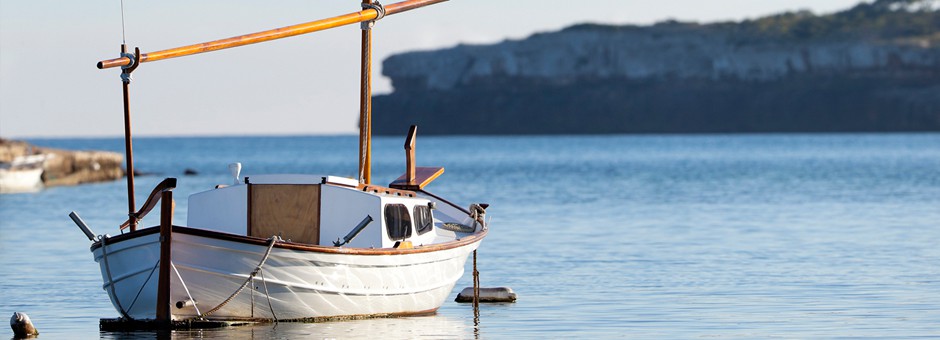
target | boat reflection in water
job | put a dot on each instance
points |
(434, 327)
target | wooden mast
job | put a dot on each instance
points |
(366, 16)
(365, 100)
(128, 146)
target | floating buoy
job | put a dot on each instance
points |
(498, 294)
(22, 327)
(477, 294)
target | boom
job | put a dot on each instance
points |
(277, 33)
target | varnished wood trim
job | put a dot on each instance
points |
(166, 184)
(378, 189)
(166, 241)
(410, 156)
(277, 33)
(424, 176)
(319, 212)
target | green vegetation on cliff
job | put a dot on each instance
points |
(883, 19)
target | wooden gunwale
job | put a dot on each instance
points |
(472, 238)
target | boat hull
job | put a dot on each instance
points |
(295, 282)
(20, 180)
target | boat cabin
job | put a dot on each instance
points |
(323, 210)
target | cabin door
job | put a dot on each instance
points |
(291, 211)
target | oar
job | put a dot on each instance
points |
(277, 33)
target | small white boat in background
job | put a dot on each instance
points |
(289, 246)
(22, 174)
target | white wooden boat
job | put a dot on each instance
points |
(290, 247)
(22, 174)
(406, 261)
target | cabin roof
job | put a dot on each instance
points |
(338, 181)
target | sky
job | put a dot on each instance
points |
(303, 85)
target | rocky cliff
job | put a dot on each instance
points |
(875, 67)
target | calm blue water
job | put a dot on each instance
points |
(744, 236)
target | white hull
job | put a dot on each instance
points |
(20, 180)
(303, 282)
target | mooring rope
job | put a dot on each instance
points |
(268, 296)
(477, 214)
(272, 241)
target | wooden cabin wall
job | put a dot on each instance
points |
(291, 211)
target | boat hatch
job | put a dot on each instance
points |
(291, 211)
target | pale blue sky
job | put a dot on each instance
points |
(49, 86)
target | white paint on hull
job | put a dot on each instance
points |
(300, 283)
(20, 180)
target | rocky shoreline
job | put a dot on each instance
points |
(872, 68)
(68, 167)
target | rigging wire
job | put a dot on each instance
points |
(123, 34)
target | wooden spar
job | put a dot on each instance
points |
(415, 177)
(278, 33)
(410, 155)
(365, 103)
(128, 147)
(365, 114)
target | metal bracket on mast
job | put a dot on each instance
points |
(367, 25)
(127, 69)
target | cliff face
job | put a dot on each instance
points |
(657, 52)
(875, 67)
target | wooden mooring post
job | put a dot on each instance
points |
(166, 238)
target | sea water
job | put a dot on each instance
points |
(654, 236)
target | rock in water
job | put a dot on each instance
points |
(22, 327)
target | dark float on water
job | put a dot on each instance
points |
(22, 326)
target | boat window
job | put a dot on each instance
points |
(397, 221)
(423, 220)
